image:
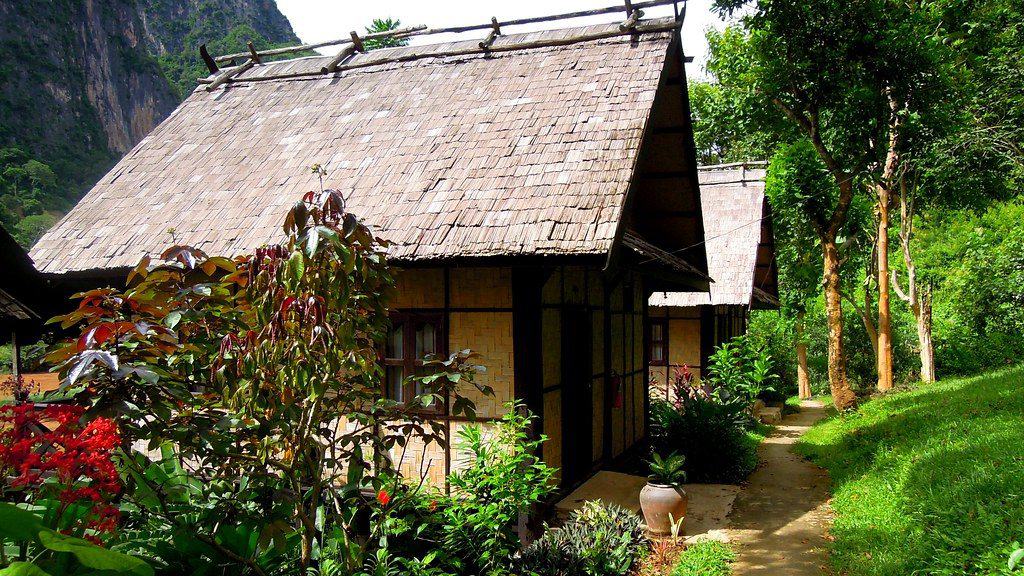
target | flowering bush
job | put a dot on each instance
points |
(259, 376)
(70, 465)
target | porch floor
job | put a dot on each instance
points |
(709, 506)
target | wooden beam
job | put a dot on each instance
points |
(340, 57)
(253, 54)
(492, 35)
(399, 33)
(357, 41)
(424, 31)
(211, 65)
(630, 23)
(474, 49)
(228, 74)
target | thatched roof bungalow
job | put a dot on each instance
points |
(536, 191)
(684, 327)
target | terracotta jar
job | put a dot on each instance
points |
(658, 501)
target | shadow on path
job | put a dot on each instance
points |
(779, 519)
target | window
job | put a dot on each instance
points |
(658, 341)
(410, 338)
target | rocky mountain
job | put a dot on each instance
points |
(81, 81)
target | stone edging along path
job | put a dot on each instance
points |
(779, 520)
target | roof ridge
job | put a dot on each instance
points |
(422, 30)
(400, 54)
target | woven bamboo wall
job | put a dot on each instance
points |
(476, 306)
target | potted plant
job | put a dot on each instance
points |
(663, 500)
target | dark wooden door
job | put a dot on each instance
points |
(577, 395)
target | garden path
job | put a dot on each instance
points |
(779, 521)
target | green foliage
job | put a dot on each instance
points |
(739, 369)
(597, 540)
(705, 558)
(502, 478)
(668, 471)
(384, 25)
(28, 190)
(926, 481)
(283, 345)
(975, 261)
(41, 550)
(722, 129)
(710, 433)
(774, 334)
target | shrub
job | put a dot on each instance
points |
(503, 478)
(598, 539)
(705, 558)
(710, 432)
(738, 368)
(282, 344)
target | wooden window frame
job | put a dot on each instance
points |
(411, 321)
(663, 322)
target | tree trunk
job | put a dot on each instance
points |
(919, 300)
(842, 396)
(884, 349)
(803, 379)
(924, 337)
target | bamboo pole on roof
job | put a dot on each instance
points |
(474, 49)
(423, 30)
(399, 33)
(228, 74)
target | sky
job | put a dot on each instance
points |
(322, 20)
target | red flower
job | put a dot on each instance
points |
(383, 497)
(433, 505)
(78, 457)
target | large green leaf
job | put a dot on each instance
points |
(18, 524)
(93, 556)
(23, 569)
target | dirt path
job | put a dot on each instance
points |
(778, 522)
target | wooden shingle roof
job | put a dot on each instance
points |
(737, 228)
(512, 153)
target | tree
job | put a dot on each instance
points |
(261, 371)
(384, 25)
(802, 193)
(849, 78)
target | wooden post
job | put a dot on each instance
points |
(357, 41)
(492, 35)
(253, 54)
(229, 74)
(15, 354)
(803, 378)
(630, 23)
(340, 57)
(211, 65)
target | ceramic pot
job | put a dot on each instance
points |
(658, 502)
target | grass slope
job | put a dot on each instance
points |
(929, 481)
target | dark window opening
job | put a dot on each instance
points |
(657, 339)
(411, 338)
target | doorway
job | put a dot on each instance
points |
(577, 395)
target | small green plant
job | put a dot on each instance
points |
(598, 539)
(41, 551)
(705, 558)
(738, 368)
(667, 471)
(502, 478)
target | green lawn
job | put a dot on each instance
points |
(929, 481)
